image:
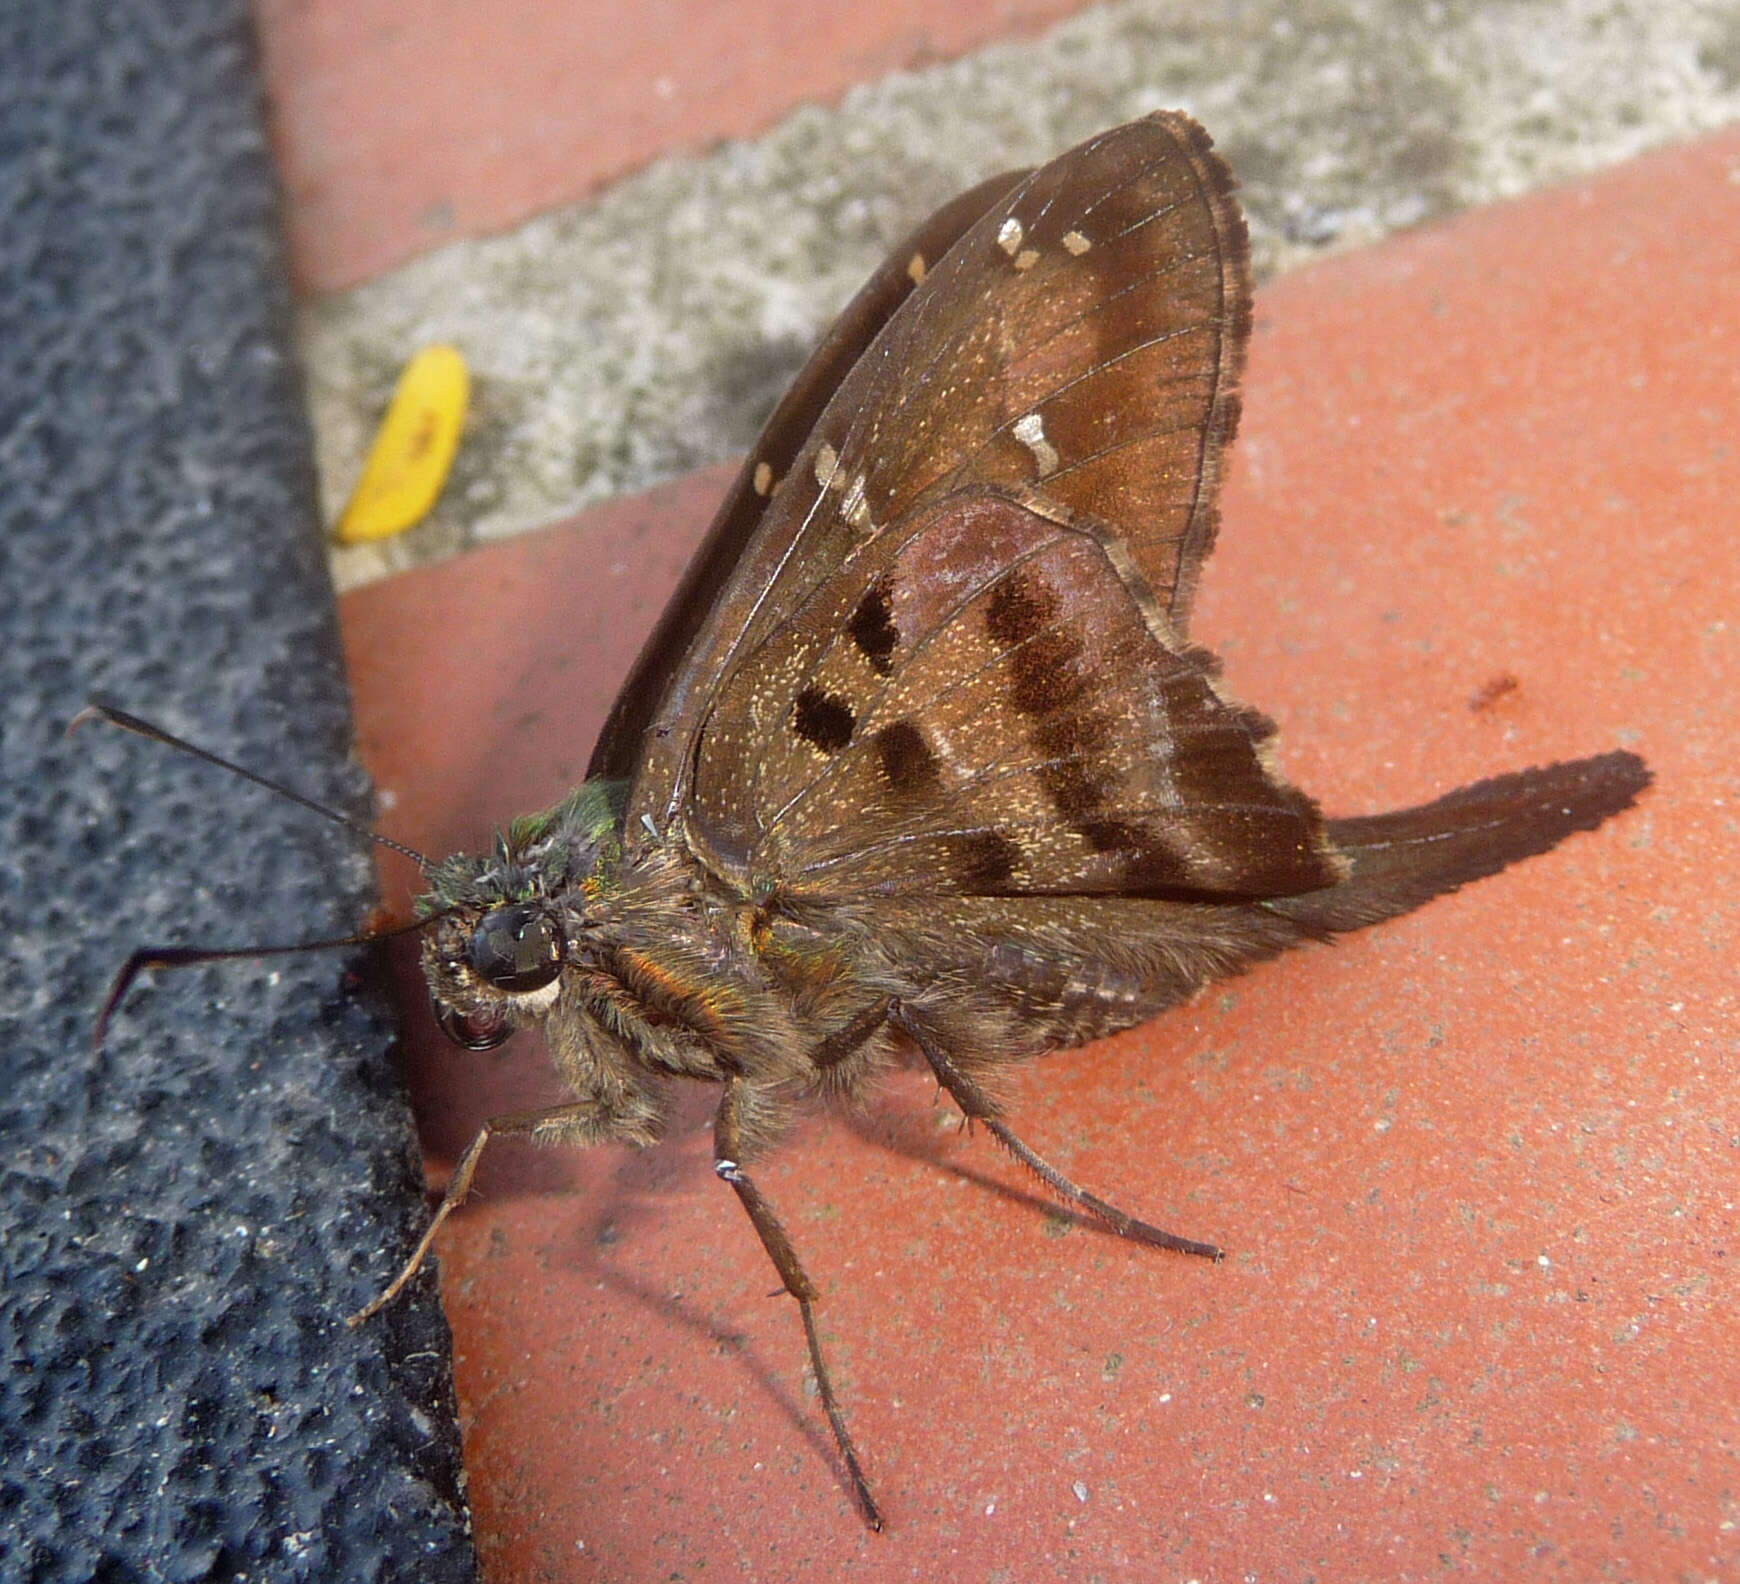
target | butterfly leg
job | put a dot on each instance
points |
(977, 1106)
(846, 1041)
(728, 1152)
(548, 1121)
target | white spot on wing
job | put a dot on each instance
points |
(1026, 258)
(1009, 237)
(827, 464)
(1076, 243)
(853, 506)
(763, 480)
(1030, 431)
(915, 268)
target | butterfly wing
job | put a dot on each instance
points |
(951, 655)
(977, 704)
(670, 663)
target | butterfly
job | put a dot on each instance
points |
(920, 757)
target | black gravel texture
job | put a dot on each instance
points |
(187, 1214)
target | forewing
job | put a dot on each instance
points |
(1080, 343)
(676, 667)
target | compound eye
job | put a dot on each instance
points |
(516, 948)
(481, 1030)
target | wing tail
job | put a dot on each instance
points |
(1404, 858)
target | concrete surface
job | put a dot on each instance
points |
(629, 337)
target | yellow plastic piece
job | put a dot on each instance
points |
(413, 449)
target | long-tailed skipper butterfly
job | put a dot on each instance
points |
(921, 757)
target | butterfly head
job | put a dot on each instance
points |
(507, 924)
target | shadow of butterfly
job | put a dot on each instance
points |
(921, 754)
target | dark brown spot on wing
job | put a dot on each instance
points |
(823, 720)
(909, 765)
(983, 863)
(1019, 607)
(1112, 835)
(1049, 684)
(1072, 788)
(872, 627)
(1045, 671)
(1146, 866)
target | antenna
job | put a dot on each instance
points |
(144, 728)
(188, 956)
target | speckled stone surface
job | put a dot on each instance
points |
(187, 1214)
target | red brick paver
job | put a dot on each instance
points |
(398, 128)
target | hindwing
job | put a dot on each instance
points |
(975, 704)
(950, 655)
